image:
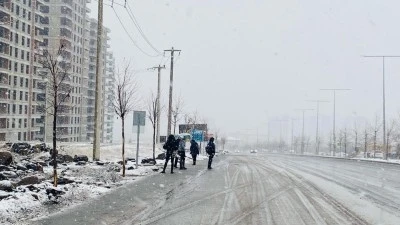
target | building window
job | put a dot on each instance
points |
(25, 123)
(21, 82)
(29, 29)
(15, 80)
(27, 69)
(14, 95)
(19, 125)
(22, 68)
(20, 111)
(21, 95)
(28, 42)
(22, 54)
(23, 41)
(26, 82)
(23, 24)
(16, 52)
(26, 109)
(13, 123)
(16, 38)
(17, 24)
(26, 97)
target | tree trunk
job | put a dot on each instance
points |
(387, 146)
(365, 143)
(375, 143)
(123, 146)
(175, 124)
(154, 143)
(55, 142)
(355, 145)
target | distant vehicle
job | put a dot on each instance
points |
(378, 155)
(253, 151)
(237, 151)
(291, 151)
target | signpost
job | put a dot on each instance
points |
(197, 135)
(139, 119)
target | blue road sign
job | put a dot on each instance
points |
(197, 135)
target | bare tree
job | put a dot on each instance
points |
(55, 72)
(124, 101)
(377, 126)
(192, 119)
(177, 111)
(390, 136)
(365, 142)
(356, 132)
(223, 142)
(153, 112)
(340, 141)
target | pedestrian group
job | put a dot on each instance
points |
(175, 150)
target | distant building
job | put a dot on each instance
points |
(21, 32)
(26, 28)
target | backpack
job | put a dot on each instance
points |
(208, 149)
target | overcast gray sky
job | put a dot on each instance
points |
(244, 62)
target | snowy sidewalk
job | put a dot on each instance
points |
(127, 201)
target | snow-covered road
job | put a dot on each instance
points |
(254, 189)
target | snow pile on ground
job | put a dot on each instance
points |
(78, 181)
(397, 161)
(111, 152)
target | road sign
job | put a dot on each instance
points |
(139, 118)
(197, 135)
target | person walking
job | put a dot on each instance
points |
(182, 154)
(210, 149)
(171, 147)
(194, 150)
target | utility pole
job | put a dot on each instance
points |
(365, 144)
(345, 142)
(97, 108)
(334, 114)
(269, 130)
(171, 83)
(159, 68)
(302, 133)
(383, 95)
(280, 134)
(31, 67)
(317, 135)
(291, 143)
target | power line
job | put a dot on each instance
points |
(130, 37)
(134, 20)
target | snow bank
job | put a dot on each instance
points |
(110, 152)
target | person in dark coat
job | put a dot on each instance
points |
(177, 142)
(182, 154)
(171, 147)
(194, 150)
(210, 149)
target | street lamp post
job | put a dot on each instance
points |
(383, 96)
(302, 133)
(317, 135)
(334, 114)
